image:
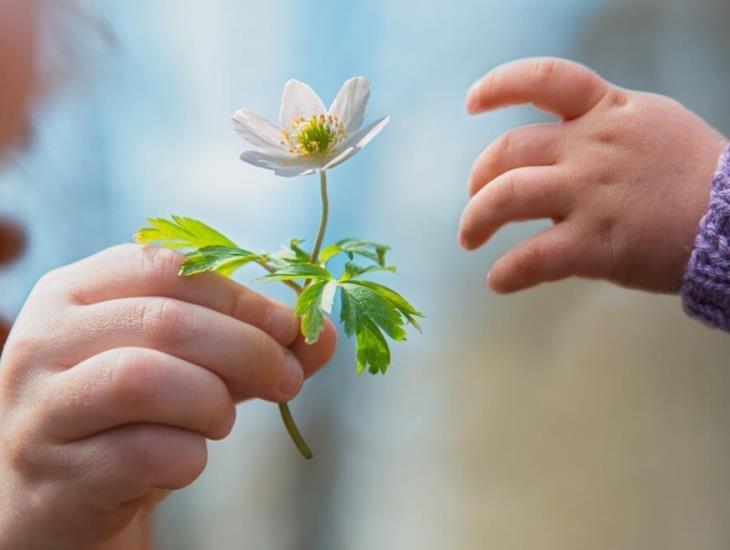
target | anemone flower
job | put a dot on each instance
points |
(310, 137)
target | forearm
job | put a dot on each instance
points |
(706, 287)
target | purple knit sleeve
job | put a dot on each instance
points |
(706, 286)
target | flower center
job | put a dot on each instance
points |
(314, 137)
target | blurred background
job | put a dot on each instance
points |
(572, 416)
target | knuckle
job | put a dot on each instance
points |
(544, 69)
(158, 262)
(606, 136)
(20, 452)
(260, 349)
(153, 458)
(616, 97)
(505, 193)
(503, 145)
(266, 362)
(51, 282)
(161, 319)
(605, 229)
(21, 349)
(19, 456)
(130, 376)
(530, 260)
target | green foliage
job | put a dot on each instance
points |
(209, 250)
(182, 233)
(353, 270)
(313, 303)
(395, 299)
(292, 254)
(299, 271)
(223, 259)
(369, 311)
(354, 247)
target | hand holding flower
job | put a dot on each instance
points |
(311, 140)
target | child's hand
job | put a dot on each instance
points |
(113, 377)
(625, 176)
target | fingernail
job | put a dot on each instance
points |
(293, 379)
(281, 324)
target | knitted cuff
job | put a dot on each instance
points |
(706, 286)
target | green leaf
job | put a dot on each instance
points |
(222, 259)
(353, 270)
(371, 305)
(288, 255)
(366, 314)
(299, 271)
(312, 304)
(352, 247)
(182, 233)
(398, 301)
(369, 310)
(298, 253)
(372, 349)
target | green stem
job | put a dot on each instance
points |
(325, 217)
(291, 284)
(286, 416)
(291, 427)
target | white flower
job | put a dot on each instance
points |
(310, 138)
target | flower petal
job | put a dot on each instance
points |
(281, 166)
(258, 131)
(357, 142)
(351, 102)
(299, 100)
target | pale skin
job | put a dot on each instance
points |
(114, 376)
(118, 371)
(625, 176)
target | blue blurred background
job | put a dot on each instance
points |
(572, 416)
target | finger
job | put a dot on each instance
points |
(562, 87)
(518, 195)
(134, 385)
(533, 145)
(129, 271)
(127, 463)
(250, 362)
(315, 356)
(552, 255)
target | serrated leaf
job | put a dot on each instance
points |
(398, 301)
(369, 309)
(181, 233)
(372, 349)
(352, 247)
(369, 304)
(353, 270)
(349, 314)
(222, 259)
(299, 271)
(313, 302)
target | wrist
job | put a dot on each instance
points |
(706, 286)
